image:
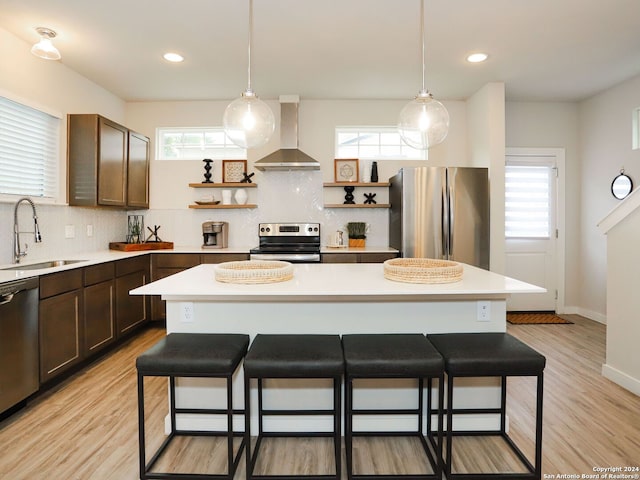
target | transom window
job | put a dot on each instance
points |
(196, 143)
(375, 143)
(29, 150)
(635, 125)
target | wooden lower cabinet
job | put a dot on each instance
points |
(378, 257)
(99, 316)
(166, 264)
(131, 310)
(223, 257)
(84, 310)
(99, 307)
(61, 328)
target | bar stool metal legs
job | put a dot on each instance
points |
(395, 356)
(191, 355)
(491, 355)
(293, 357)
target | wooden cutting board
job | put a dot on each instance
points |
(136, 247)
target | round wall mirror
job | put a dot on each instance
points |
(621, 185)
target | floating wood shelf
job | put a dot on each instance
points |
(220, 206)
(223, 185)
(356, 184)
(357, 205)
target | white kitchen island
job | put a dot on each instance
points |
(339, 299)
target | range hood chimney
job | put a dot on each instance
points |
(289, 157)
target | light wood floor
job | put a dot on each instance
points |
(87, 427)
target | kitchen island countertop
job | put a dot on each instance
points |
(335, 283)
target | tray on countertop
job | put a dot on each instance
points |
(136, 247)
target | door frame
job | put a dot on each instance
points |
(559, 155)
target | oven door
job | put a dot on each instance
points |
(287, 257)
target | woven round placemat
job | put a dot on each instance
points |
(422, 270)
(254, 271)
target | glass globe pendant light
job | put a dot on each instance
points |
(423, 122)
(248, 121)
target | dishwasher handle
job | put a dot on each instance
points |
(6, 298)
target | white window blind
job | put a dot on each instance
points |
(29, 146)
(196, 143)
(527, 205)
(374, 143)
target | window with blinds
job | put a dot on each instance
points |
(29, 146)
(196, 143)
(374, 143)
(527, 202)
(635, 126)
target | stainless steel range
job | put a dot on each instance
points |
(292, 242)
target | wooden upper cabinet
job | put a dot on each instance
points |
(112, 163)
(138, 171)
(108, 164)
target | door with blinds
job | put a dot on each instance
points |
(531, 229)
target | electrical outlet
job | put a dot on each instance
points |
(69, 231)
(484, 311)
(186, 312)
(89, 230)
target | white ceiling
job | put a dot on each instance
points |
(339, 49)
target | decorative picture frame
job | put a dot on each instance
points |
(345, 170)
(233, 170)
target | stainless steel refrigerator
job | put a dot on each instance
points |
(441, 212)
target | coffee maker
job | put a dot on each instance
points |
(215, 234)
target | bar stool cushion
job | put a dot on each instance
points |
(487, 354)
(290, 356)
(194, 354)
(391, 355)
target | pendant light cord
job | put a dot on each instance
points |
(249, 46)
(423, 47)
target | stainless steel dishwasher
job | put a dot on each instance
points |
(19, 357)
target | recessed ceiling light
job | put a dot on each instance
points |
(477, 57)
(173, 57)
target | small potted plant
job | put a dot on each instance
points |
(356, 232)
(135, 226)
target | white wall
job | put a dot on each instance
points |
(486, 119)
(622, 229)
(605, 141)
(56, 88)
(281, 196)
(555, 125)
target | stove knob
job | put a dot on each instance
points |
(262, 229)
(315, 229)
(268, 229)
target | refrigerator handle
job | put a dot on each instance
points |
(450, 227)
(445, 223)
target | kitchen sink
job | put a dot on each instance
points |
(41, 265)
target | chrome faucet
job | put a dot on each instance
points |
(17, 252)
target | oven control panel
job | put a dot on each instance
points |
(289, 229)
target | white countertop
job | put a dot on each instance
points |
(94, 258)
(333, 282)
(103, 256)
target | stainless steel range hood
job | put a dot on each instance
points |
(289, 157)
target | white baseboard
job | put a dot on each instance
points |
(626, 381)
(591, 315)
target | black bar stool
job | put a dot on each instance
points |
(391, 356)
(490, 355)
(191, 355)
(293, 356)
